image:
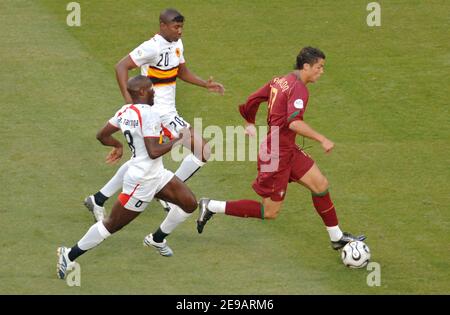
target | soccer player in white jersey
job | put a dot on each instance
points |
(145, 177)
(162, 60)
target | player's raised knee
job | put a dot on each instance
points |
(321, 185)
(190, 204)
(271, 214)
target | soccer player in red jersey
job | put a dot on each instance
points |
(280, 160)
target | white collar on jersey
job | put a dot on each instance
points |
(165, 40)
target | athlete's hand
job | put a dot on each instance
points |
(115, 155)
(327, 145)
(184, 137)
(250, 129)
(214, 86)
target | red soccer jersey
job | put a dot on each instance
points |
(287, 98)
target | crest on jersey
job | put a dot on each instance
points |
(298, 103)
(178, 52)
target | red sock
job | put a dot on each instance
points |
(325, 208)
(245, 208)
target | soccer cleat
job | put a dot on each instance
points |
(165, 205)
(97, 211)
(204, 214)
(346, 238)
(162, 248)
(64, 264)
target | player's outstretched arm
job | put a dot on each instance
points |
(303, 129)
(122, 68)
(104, 135)
(186, 75)
(155, 149)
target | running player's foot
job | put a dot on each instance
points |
(162, 248)
(165, 205)
(204, 214)
(346, 238)
(63, 264)
(97, 211)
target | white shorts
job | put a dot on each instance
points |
(136, 195)
(172, 124)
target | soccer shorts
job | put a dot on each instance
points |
(274, 184)
(172, 124)
(136, 195)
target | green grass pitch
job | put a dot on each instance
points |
(384, 100)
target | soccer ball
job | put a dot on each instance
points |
(355, 254)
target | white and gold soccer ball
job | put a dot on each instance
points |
(355, 254)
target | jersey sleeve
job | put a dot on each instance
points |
(296, 104)
(145, 53)
(151, 125)
(115, 119)
(182, 60)
(250, 108)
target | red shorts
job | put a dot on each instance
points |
(274, 184)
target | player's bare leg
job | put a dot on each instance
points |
(95, 202)
(96, 234)
(183, 203)
(317, 183)
(271, 208)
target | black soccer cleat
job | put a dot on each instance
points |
(346, 238)
(204, 214)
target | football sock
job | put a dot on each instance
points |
(335, 233)
(188, 167)
(217, 206)
(245, 208)
(100, 198)
(75, 252)
(116, 182)
(159, 236)
(175, 216)
(325, 208)
(94, 236)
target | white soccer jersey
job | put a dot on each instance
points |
(159, 60)
(138, 122)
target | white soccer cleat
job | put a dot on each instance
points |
(204, 214)
(97, 211)
(162, 248)
(165, 205)
(63, 264)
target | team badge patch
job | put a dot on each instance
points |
(178, 52)
(298, 104)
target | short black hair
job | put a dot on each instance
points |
(309, 55)
(136, 83)
(171, 15)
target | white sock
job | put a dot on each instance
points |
(175, 216)
(217, 206)
(116, 182)
(335, 233)
(94, 236)
(188, 167)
